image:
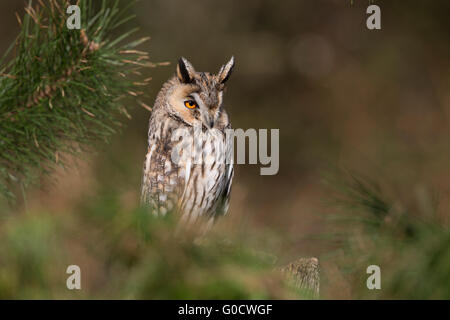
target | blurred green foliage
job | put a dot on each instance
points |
(128, 254)
(409, 242)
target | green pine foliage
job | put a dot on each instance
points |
(406, 238)
(128, 253)
(63, 90)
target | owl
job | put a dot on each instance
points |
(185, 173)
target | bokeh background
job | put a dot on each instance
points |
(373, 102)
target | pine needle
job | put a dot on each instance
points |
(60, 92)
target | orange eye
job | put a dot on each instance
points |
(190, 104)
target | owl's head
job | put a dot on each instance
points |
(195, 98)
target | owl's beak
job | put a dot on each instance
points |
(208, 120)
(209, 124)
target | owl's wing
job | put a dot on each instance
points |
(224, 198)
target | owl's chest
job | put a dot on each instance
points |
(199, 161)
(188, 171)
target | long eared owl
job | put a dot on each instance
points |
(196, 185)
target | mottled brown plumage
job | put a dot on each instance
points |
(197, 185)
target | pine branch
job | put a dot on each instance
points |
(64, 89)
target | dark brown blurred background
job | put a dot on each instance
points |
(341, 95)
(374, 101)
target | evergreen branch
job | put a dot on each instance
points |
(64, 89)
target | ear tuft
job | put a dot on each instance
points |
(185, 71)
(226, 70)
